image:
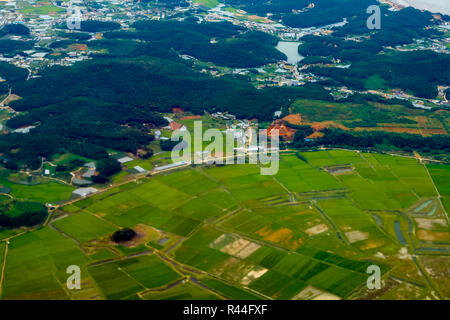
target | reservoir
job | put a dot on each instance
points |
(290, 49)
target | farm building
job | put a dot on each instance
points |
(139, 169)
(125, 159)
(83, 192)
(171, 166)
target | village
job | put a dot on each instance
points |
(42, 18)
(134, 166)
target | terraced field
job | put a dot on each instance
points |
(227, 232)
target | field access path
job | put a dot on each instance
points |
(2, 272)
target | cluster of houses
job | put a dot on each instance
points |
(42, 27)
(223, 115)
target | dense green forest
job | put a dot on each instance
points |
(372, 65)
(12, 73)
(14, 214)
(109, 104)
(412, 23)
(323, 13)
(14, 29)
(75, 35)
(221, 43)
(151, 84)
(374, 140)
(418, 72)
(86, 127)
(263, 7)
(328, 47)
(4, 88)
(10, 48)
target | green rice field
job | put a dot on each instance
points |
(227, 232)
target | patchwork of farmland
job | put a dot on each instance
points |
(227, 232)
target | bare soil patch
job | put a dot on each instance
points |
(356, 235)
(316, 229)
(433, 235)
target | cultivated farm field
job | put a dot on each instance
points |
(227, 232)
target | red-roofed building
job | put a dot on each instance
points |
(175, 125)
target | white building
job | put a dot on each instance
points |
(83, 192)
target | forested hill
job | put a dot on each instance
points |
(110, 102)
(418, 72)
(320, 12)
(221, 43)
(84, 108)
(152, 84)
(307, 13)
(373, 62)
(136, 73)
(10, 74)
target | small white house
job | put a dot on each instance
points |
(125, 159)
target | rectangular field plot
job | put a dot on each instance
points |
(156, 204)
(229, 291)
(326, 276)
(175, 203)
(257, 190)
(245, 182)
(50, 192)
(36, 265)
(114, 283)
(180, 225)
(272, 272)
(182, 291)
(357, 226)
(159, 195)
(232, 171)
(440, 175)
(149, 271)
(284, 225)
(273, 284)
(220, 198)
(188, 181)
(378, 195)
(416, 178)
(202, 208)
(142, 214)
(332, 158)
(388, 183)
(124, 278)
(84, 227)
(297, 177)
(408, 171)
